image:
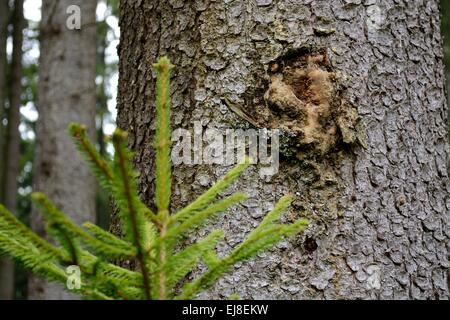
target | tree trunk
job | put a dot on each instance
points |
(8, 150)
(4, 21)
(5, 265)
(12, 143)
(103, 201)
(67, 93)
(378, 214)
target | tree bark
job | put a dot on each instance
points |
(12, 143)
(379, 215)
(4, 21)
(67, 93)
(448, 94)
(9, 139)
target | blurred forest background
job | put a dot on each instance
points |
(25, 95)
(106, 84)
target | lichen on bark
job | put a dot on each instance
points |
(304, 99)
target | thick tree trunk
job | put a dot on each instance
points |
(379, 215)
(66, 93)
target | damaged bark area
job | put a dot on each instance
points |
(305, 100)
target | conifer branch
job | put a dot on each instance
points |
(54, 216)
(106, 236)
(163, 164)
(197, 219)
(10, 225)
(118, 140)
(210, 195)
(78, 133)
(163, 136)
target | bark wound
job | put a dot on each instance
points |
(306, 101)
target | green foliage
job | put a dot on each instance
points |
(152, 239)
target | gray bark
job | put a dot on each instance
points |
(66, 94)
(379, 215)
(448, 99)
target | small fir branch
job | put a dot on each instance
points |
(59, 219)
(209, 196)
(163, 137)
(151, 239)
(136, 217)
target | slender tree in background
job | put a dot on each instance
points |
(4, 21)
(378, 208)
(12, 143)
(5, 265)
(66, 93)
(11, 156)
(104, 72)
(103, 207)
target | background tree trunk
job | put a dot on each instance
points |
(9, 149)
(379, 216)
(67, 93)
(4, 21)
(12, 141)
